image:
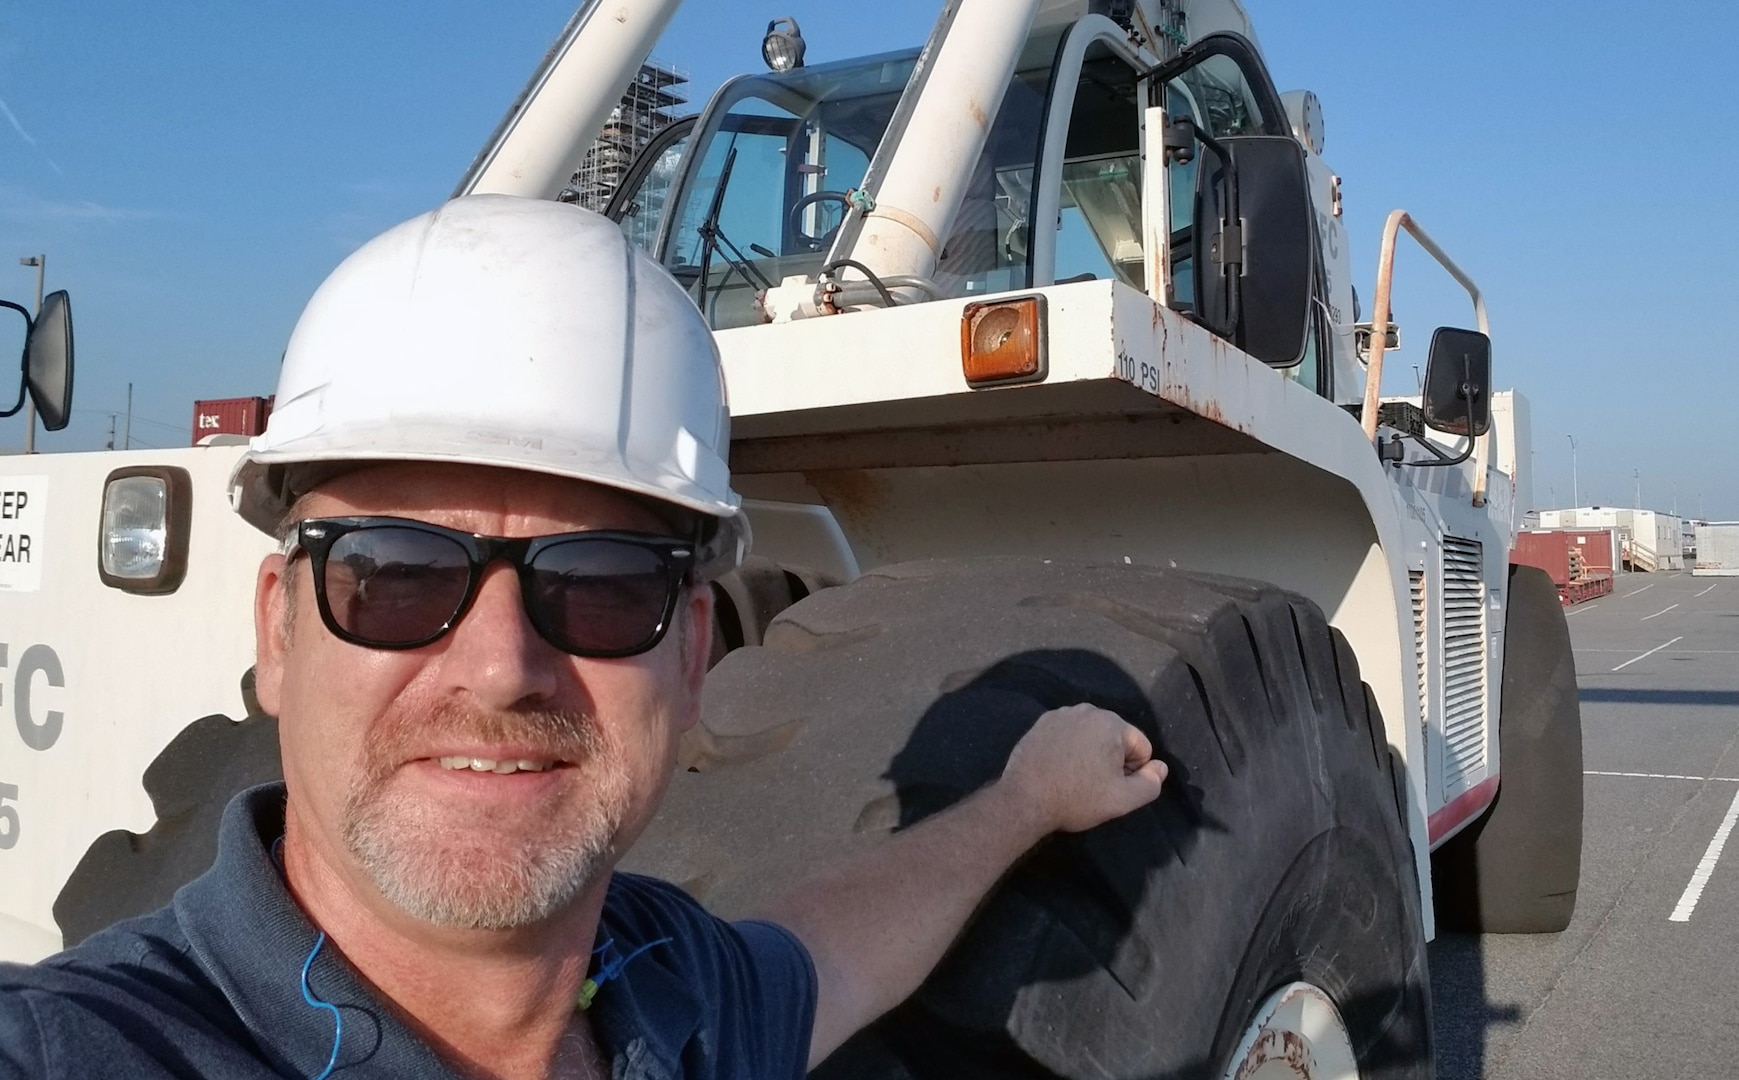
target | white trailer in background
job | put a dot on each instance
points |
(1652, 540)
(1041, 344)
(1717, 549)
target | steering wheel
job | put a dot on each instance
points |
(817, 243)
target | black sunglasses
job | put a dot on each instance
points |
(391, 583)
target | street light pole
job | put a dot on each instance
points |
(41, 264)
(1575, 488)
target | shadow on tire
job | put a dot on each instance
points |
(1141, 948)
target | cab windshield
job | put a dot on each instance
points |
(768, 177)
(768, 173)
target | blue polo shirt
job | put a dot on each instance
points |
(210, 986)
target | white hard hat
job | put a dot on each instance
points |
(503, 331)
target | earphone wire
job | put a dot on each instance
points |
(337, 1017)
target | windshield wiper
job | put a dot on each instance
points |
(714, 240)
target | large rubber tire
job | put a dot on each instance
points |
(746, 600)
(1141, 948)
(1515, 871)
(124, 874)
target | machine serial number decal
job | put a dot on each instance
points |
(8, 816)
(38, 726)
(1138, 373)
(23, 516)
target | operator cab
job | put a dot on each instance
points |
(756, 189)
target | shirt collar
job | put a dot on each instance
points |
(646, 1017)
(252, 939)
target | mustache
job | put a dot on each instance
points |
(569, 735)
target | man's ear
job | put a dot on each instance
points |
(697, 650)
(272, 615)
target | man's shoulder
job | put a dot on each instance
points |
(141, 960)
(142, 953)
(106, 999)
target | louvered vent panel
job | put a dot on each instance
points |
(1464, 670)
(1416, 586)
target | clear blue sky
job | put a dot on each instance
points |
(194, 169)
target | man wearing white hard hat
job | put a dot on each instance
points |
(497, 469)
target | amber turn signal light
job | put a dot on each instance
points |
(1003, 341)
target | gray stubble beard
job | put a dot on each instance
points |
(482, 878)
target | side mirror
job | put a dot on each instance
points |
(1457, 397)
(48, 361)
(1255, 245)
(45, 360)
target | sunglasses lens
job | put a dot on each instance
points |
(387, 585)
(600, 595)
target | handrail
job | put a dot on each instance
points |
(1398, 220)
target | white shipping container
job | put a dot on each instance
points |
(1717, 549)
(1653, 538)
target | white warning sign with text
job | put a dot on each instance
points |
(23, 520)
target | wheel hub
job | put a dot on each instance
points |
(1297, 1034)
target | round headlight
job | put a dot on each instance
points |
(783, 46)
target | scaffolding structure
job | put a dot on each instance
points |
(648, 106)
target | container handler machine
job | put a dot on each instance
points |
(1048, 384)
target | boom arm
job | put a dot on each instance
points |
(542, 140)
(959, 87)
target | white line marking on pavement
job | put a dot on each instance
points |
(1664, 776)
(1648, 654)
(1640, 591)
(1580, 610)
(1709, 589)
(1676, 652)
(1705, 869)
(1659, 613)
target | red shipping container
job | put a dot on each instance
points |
(1587, 575)
(230, 416)
(1596, 548)
(1550, 551)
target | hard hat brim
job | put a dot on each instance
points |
(265, 483)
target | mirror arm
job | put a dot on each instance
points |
(13, 411)
(1465, 393)
(1442, 458)
(1228, 232)
(1218, 147)
(23, 360)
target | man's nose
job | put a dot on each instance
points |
(495, 653)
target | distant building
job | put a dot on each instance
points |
(1650, 540)
(648, 106)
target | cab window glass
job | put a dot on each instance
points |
(1099, 209)
(1182, 183)
(769, 191)
(988, 242)
(1216, 96)
(744, 169)
(1224, 103)
(644, 209)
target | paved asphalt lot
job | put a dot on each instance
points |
(1627, 991)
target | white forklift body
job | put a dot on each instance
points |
(1137, 436)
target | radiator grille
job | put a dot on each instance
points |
(1464, 670)
(1416, 588)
